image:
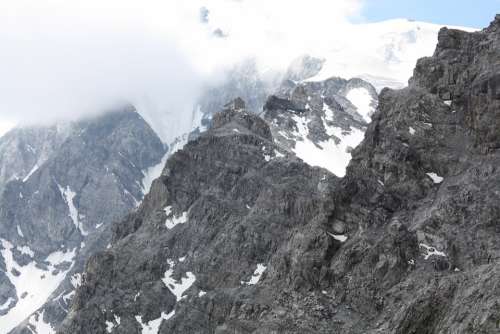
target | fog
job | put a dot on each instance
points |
(62, 60)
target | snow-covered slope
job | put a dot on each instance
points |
(321, 122)
(383, 53)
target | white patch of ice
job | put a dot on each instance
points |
(267, 157)
(35, 284)
(182, 259)
(67, 297)
(173, 221)
(178, 287)
(361, 99)
(76, 280)
(236, 130)
(68, 196)
(447, 102)
(26, 250)
(152, 173)
(257, 274)
(338, 237)
(38, 326)
(430, 251)
(201, 293)
(435, 178)
(19, 232)
(6, 305)
(110, 325)
(329, 155)
(153, 326)
(412, 130)
(278, 154)
(34, 169)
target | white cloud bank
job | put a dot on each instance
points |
(62, 59)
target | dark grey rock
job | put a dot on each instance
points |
(94, 165)
(418, 254)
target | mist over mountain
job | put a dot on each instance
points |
(222, 166)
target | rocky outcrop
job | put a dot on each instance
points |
(238, 237)
(321, 122)
(85, 176)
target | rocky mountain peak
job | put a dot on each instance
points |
(236, 118)
(237, 237)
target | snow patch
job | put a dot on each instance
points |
(338, 237)
(152, 173)
(173, 221)
(326, 154)
(257, 274)
(68, 196)
(430, 251)
(19, 232)
(34, 169)
(38, 326)
(26, 250)
(33, 285)
(178, 287)
(153, 326)
(411, 130)
(435, 178)
(110, 325)
(362, 100)
(76, 280)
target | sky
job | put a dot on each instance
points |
(468, 13)
(66, 59)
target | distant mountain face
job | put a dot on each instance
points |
(239, 236)
(321, 122)
(62, 187)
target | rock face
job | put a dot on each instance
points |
(321, 122)
(72, 182)
(239, 237)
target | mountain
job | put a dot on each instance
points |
(383, 53)
(62, 187)
(237, 236)
(321, 122)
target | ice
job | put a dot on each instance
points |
(430, 251)
(412, 130)
(172, 220)
(33, 282)
(362, 100)
(26, 250)
(76, 280)
(178, 287)
(257, 274)
(68, 196)
(38, 326)
(6, 305)
(110, 325)
(329, 155)
(153, 326)
(34, 169)
(338, 237)
(152, 173)
(435, 178)
(19, 232)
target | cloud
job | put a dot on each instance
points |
(64, 59)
